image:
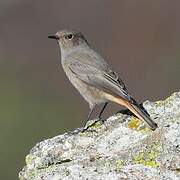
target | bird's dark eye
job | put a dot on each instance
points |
(69, 36)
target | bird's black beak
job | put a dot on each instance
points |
(53, 37)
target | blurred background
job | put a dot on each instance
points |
(140, 39)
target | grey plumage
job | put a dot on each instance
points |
(90, 68)
(92, 76)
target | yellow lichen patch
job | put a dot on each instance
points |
(29, 158)
(158, 103)
(145, 130)
(148, 156)
(151, 163)
(134, 123)
(94, 123)
(153, 154)
(119, 163)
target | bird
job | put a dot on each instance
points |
(93, 77)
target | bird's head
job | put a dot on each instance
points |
(68, 39)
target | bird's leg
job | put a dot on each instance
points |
(88, 118)
(102, 110)
(99, 116)
(89, 114)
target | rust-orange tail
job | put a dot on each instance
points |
(141, 114)
(135, 109)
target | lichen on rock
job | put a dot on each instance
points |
(121, 148)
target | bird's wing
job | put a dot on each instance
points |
(102, 78)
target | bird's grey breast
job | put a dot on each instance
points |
(85, 59)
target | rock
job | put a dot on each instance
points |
(121, 148)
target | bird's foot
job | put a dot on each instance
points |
(101, 120)
(91, 124)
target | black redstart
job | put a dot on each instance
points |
(93, 77)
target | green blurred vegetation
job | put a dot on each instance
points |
(28, 115)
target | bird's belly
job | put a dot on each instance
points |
(91, 94)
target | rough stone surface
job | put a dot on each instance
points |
(121, 148)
